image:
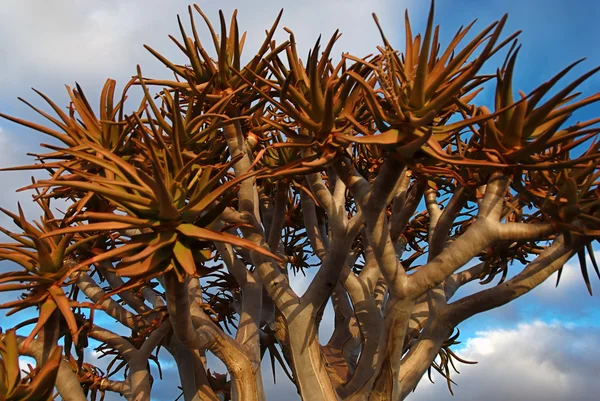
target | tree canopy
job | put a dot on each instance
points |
(393, 179)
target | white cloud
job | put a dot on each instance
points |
(57, 42)
(8, 148)
(532, 361)
(13, 154)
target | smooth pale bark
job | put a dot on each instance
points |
(203, 390)
(397, 316)
(443, 222)
(457, 280)
(139, 374)
(312, 226)
(125, 349)
(370, 322)
(313, 381)
(135, 302)
(404, 206)
(139, 380)
(420, 357)
(186, 369)
(107, 304)
(477, 237)
(328, 275)
(202, 334)
(536, 272)
(339, 349)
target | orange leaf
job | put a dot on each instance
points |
(193, 231)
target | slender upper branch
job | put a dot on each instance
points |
(115, 341)
(107, 304)
(312, 226)
(535, 273)
(135, 302)
(493, 198)
(457, 280)
(178, 305)
(322, 194)
(278, 221)
(445, 221)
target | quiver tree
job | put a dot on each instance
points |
(185, 218)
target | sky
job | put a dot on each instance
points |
(542, 347)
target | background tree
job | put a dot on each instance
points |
(184, 217)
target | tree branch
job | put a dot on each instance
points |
(536, 272)
(457, 280)
(477, 237)
(207, 337)
(421, 355)
(445, 221)
(322, 194)
(278, 221)
(328, 275)
(107, 304)
(312, 226)
(370, 321)
(115, 341)
(403, 208)
(493, 198)
(525, 231)
(178, 305)
(115, 282)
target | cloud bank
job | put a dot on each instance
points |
(533, 361)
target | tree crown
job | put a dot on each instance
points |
(185, 217)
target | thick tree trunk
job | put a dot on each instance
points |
(312, 377)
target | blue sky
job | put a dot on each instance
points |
(545, 342)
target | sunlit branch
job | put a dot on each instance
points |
(107, 304)
(536, 272)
